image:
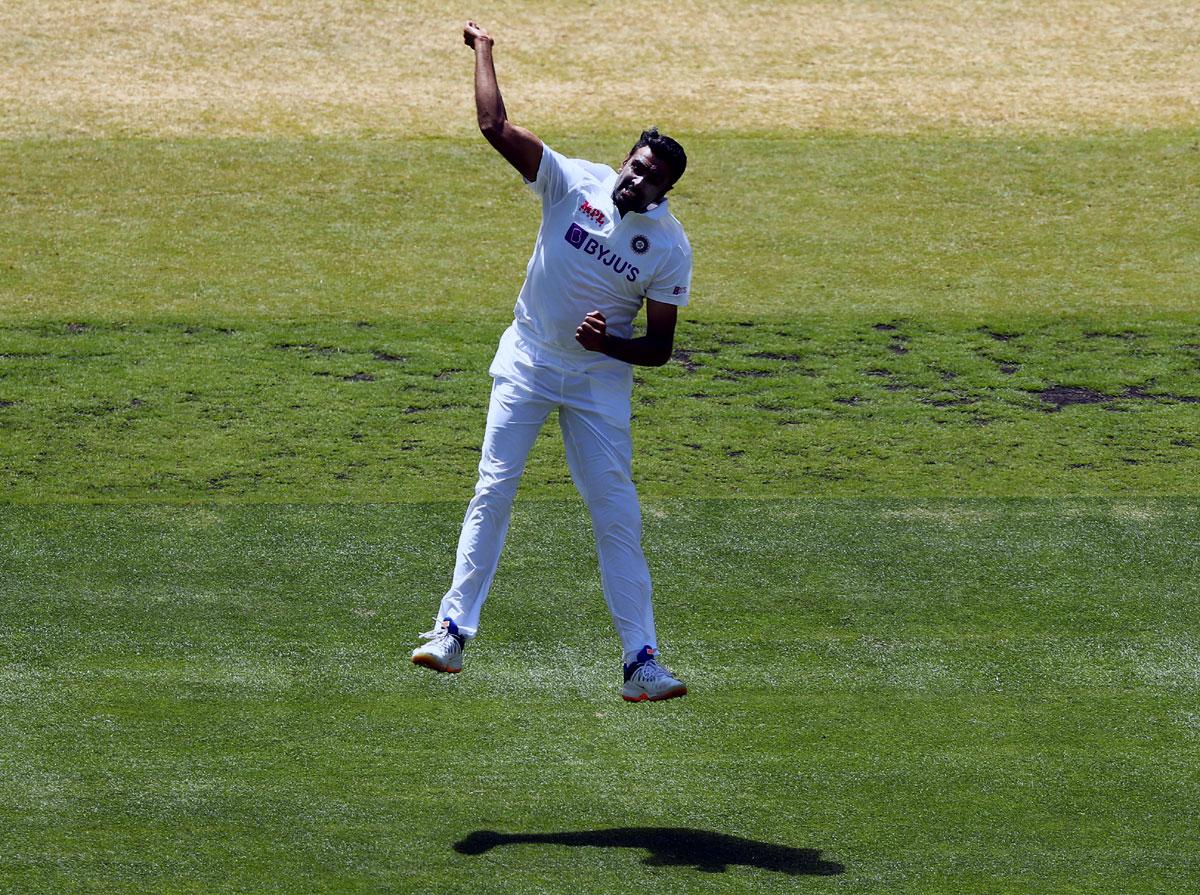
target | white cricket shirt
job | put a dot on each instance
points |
(588, 257)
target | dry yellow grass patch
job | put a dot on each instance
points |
(239, 67)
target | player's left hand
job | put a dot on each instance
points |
(590, 333)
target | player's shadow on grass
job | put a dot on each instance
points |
(669, 847)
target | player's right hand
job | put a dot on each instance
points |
(473, 32)
(590, 334)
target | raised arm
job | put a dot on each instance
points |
(520, 147)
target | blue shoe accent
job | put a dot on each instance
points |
(452, 630)
(645, 654)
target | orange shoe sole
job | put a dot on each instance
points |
(432, 665)
(670, 694)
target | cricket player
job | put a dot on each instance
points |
(607, 242)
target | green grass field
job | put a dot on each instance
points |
(919, 485)
(990, 696)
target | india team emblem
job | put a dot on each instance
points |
(639, 244)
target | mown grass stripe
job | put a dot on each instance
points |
(936, 695)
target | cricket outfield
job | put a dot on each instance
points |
(919, 485)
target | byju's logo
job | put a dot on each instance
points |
(590, 245)
(576, 235)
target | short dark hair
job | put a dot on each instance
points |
(664, 148)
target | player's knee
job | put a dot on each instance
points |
(615, 539)
(615, 513)
(497, 489)
(614, 493)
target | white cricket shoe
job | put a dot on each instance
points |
(444, 650)
(647, 681)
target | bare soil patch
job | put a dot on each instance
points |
(1063, 395)
(684, 358)
(308, 348)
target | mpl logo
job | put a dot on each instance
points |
(593, 212)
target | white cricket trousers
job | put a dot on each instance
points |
(600, 456)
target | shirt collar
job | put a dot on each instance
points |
(654, 212)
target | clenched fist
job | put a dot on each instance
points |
(473, 32)
(590, 333)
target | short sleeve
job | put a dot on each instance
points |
(673, 282)
(556, 176)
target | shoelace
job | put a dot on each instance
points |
(435, 634)
(650, 670)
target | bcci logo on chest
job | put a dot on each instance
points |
(589, 245)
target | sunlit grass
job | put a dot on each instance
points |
(781, 224)
(938, 696)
